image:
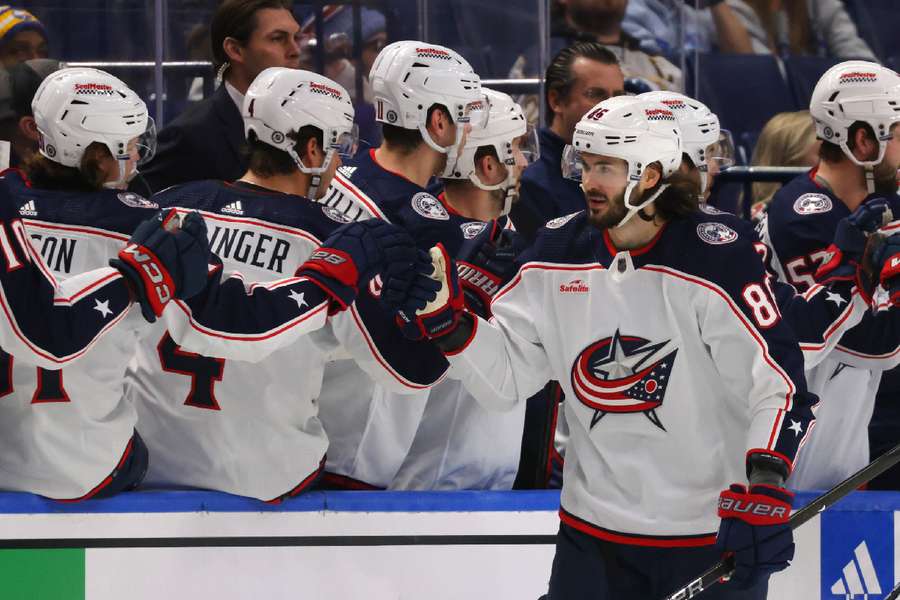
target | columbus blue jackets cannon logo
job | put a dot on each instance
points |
(623, 374)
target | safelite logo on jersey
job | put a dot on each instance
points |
(576, 286)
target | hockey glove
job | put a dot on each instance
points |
(850, 238)
(408, 289)
(485, 264)
(755, 530)
(356, 252)
(886, 266)
(162, 262)
(441, 315)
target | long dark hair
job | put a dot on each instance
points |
(46, 174)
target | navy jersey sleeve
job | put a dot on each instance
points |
(755, 349)
(46, 322)
(236, 320)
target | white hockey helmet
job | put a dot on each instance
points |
(701, 137)
(281, 101)
(76, 107)
(512, 138)
(639, 131)
(852, 91)
(410, 77)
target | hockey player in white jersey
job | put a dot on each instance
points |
(459, 444)
(66, 432)
(856, 110)
(426, 97)
(215, 420)
(682, 377)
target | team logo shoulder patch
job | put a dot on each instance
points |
(710, 210)
(472, 229)
(812, 204)
(335, 215)
(429, 207)
(716, 233)
(560, 221)
(135, 200)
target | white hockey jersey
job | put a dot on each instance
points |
(63, 432)
(674, 360)
(228, 397)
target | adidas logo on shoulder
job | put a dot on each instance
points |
(234, 208)
(346, 170)
(28, 209)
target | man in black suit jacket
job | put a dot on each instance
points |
(206, 141)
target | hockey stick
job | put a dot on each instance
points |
(895, 593)
(724, 568)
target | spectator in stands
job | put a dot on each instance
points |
(22, 36)
(579, 77)
(338, 33)
(206, 141)
(18, 84)
(601, 21)
(656, 23)
(802, 27)
(787, 140)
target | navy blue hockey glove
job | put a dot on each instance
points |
(755, 530)
(849, 246)
(164, 261)
(485, 264)
(408, 287)
(885, 266)
(356, 252)
(440, 316)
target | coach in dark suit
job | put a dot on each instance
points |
(205, 141)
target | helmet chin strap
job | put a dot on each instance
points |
(508, 186)
(124, 178)
(314, 172)
(870, 179)
(633, 210)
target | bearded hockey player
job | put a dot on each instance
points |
(856, 110)
(681, 377)
(67, 433)
(251, 428)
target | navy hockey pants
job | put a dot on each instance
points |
(588, 568)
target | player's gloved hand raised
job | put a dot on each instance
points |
(440, 316)
(162, 261)
(755, 530)
(850, 239)
(356, 252)
(408, 288)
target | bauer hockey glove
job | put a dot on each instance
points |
(755, 530)
(845, 254)
(484, 263)
(353, 254)
(441, 315)
(162, 262)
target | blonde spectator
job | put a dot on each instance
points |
(787, 140)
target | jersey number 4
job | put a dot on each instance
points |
(203, 371)
(49, 383)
